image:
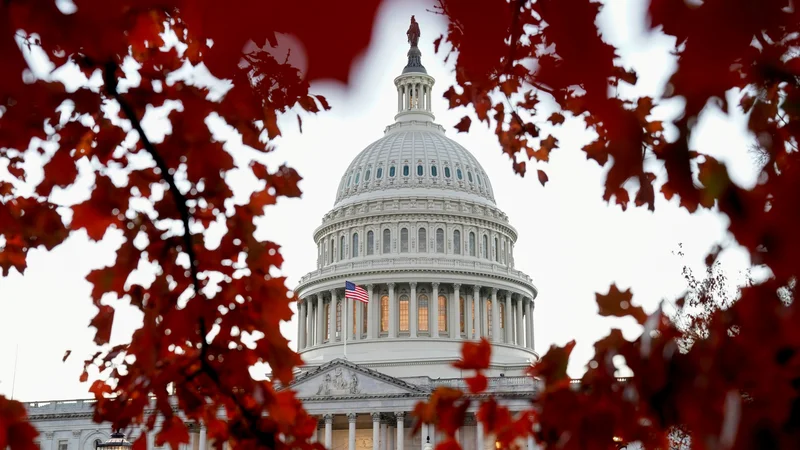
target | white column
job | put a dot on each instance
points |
(151, 440)
(467, 316)
(351, 431)
(433, 307)
(530, 325)
(301, 328)
(432, 434)
(203, 438)
(328, 431)
(509, 339)
(527, 313)
(359, 319)
(194, 438)
(376, 431)
(455, 312)
(531, 443)
(332, 317)
(390, 436)
(315, 436)
(393, 312)
(423, 435)
(429, 100)
(319, 330)
(476, 294)
(520, 328)
(384, 443)
(412, 310)
(496, 333)
(400, 430)
(371, 324)
(479, 441)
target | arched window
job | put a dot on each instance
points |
(366, 175)
(341, 248)
(391, 172)
(406, 171)
(447, 172)
(364, 314)
(370, 242)
(97, 442)
(422, 313)
(358, 177)
(476, 176)
(349, 179)
(485, 248)
(457, 242)
(469, 176)
(459, 175)
(339, 318)
(403, 313)
(384, 314)
(379, 173)
(502, 315)
(420, 170)
(355, 245)
(471, 243)
(404, 240)
(331, 253)
(387, 241)
(442, 313)
(489, 315)
(461, 312)
(422, 240)
(496, 250)
(439, 240)
(326, 323)
(433, 171)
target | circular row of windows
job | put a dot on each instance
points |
(434, 171)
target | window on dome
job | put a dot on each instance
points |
(406, 170)
(391, 172)
(447, 172)
(370, 242)
(489, 315)
(387, 241)
(404, 240)
(471, 244)
(404, 313)
(420, 170)
(364, 326)
(461, 312)
(349, 179)
(355, 245)
(341, 248)
(442, 313)
(476, 176)
(358, 177)
(366, 175)
(384, 314)
(439, 240)
(434, 173)
(476, 299)
(422, 312)
(326, 323)
(459, 174)
(422, 240)
(331, 253)
(485, 248)
(502, 315)
(457, 242)
(379, 173)
(338, 318)
(469, 176)
(496, 250)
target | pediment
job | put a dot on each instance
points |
(340, 378)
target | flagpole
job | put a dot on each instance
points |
(345, 325)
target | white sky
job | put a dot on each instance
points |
(571, 242)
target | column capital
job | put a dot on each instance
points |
(370, 286)
(376, 417)
(413, 284)
(435, 285)
(390, 284)
(476, 290)
(533, 304)
(328, 419)
(495, 291)
(351, 417)
(457, 286)
(400, 415)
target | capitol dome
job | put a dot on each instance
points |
(415, 223)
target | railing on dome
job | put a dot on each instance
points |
(486, 267)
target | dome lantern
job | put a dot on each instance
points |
(414, 85)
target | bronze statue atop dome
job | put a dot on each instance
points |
(413, 32)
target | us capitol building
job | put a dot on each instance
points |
(416, 224)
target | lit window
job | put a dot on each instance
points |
(391, 172)
(364, 315)
(442, 313)
(469, 176)
(471, 244)
(489, 315)
(358, 177)
(422, 321)
(370, 242)
(447, 172)
(406, 170)
(403, 313)
(366, 175)
(457, 242)
(379, 174)
(387, 241)
(422, 240)
(459, 175)
(385, 314)
(433, 171)
(355, 245)
(461, 313)
(338, 317)
(439, 240)
(326, 323)
(63, 445)
(404, 240)
(502, 315)
(420, 170)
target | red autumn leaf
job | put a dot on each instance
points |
(101, 211)
(15, 431)
(475, 355)
(552, 367)
(542, 177)
(60, 171)
(619, 304)
(463, 125)
(102, 322)
(556, 118)
(477, 383)
(66, 355)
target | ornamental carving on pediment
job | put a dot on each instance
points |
(339, 384)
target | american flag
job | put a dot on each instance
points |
(355, 292)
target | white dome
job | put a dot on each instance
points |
(414, 158)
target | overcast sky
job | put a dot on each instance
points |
(571, 242)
